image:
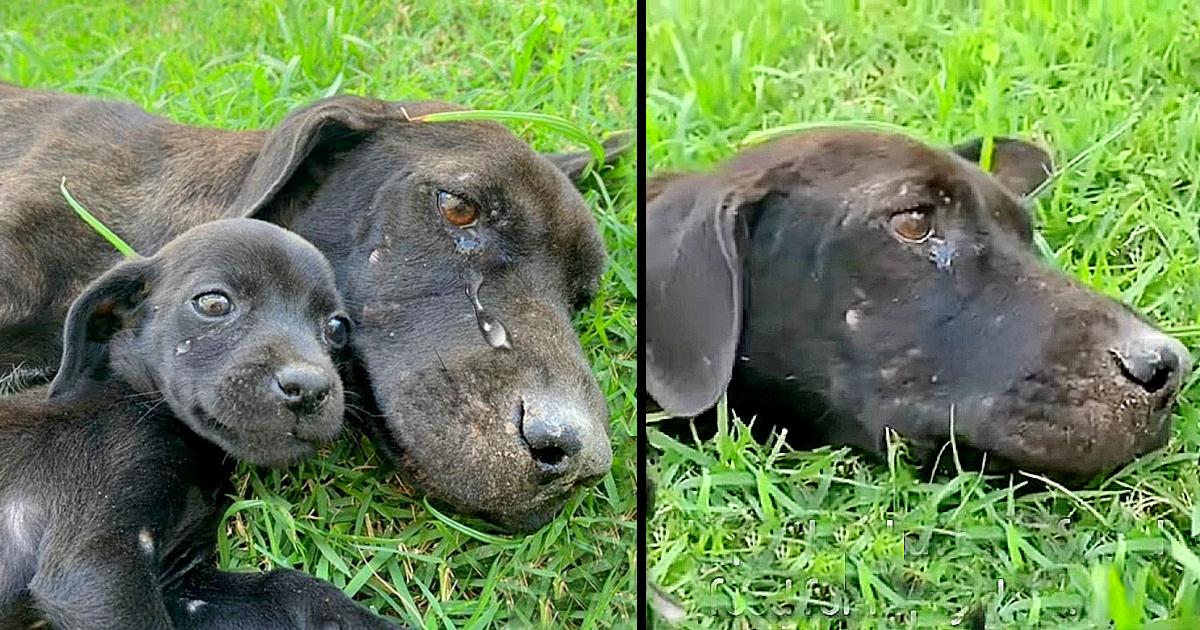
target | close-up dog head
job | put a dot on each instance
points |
(462, 255)
(857, 281)
(233, 324)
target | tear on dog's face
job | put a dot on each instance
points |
(234, 324)
(860, 281)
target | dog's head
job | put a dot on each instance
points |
(867, 281)
(462, 255)
(233, 325)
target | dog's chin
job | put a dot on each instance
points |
(527, 521)
(1070, 444)
(275, 449)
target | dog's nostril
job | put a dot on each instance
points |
(302, 387)
(1159, 379)
(551, 440)
(549, 456)
(291, 391)
(1150, 366)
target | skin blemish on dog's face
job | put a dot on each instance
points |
(375, 257)
(853, 319)
(195, 605)
(146, 542)
(184, 347)
(494, 332)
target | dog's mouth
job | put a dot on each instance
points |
(530, 503)
(278, 448)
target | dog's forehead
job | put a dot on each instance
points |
(250, 252)
(843, 154)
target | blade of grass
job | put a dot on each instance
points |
(101, 229)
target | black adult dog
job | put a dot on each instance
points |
(112, 490)
(843, 282)
(435, 230)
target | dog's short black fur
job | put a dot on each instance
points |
(409, 213)
(846, 282)
(113, 482)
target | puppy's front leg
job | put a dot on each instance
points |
(97, 583)
(209, 599)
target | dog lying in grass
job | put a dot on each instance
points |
(428, 226)
(113, 479)
(846, 282)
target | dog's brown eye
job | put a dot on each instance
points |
(913, 225)
(337, 331)
(212, 304)
(458, 211)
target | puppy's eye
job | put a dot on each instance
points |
(337, 331)
(458, 211)
(213, 304)
(913, 226)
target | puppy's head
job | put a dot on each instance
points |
(874, 282)
(234, 324)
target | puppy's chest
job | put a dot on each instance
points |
(20, 525)
(173, 502)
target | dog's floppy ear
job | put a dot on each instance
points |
(574, 164)
(697, 229)
(327, 126)
(1018, 165)
(95, 316)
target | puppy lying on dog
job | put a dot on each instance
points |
(845, 282)
(217, 347)
(405, 210)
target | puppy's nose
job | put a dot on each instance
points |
(1151, 359)
(302, 387)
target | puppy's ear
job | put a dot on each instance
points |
(1018, 165)
(314, 134)
(574, 164)
(697, 229)
(94, 317)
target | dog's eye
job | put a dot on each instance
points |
(458, 211)
(337, 331)
(913, 225)
(212, 304)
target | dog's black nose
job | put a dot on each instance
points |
(302, 387)
(1150, 360)
(553, 440)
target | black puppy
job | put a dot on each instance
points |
(111, 490)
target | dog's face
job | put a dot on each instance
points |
(462, 255)
(880, 283)
(233, 323)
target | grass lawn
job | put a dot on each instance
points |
(244, 64)
(749, 535)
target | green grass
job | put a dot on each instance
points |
(241, 65)
(740, 528)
